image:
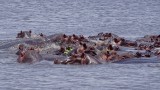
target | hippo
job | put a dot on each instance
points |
(29, 56)
(66, 60)
(24, 34)
(149, 38)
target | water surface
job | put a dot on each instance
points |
(127, 18)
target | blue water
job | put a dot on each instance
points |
(127, 18)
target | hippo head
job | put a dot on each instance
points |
(30, 56)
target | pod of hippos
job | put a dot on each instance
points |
(77, 49)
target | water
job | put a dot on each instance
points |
(127, 18)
